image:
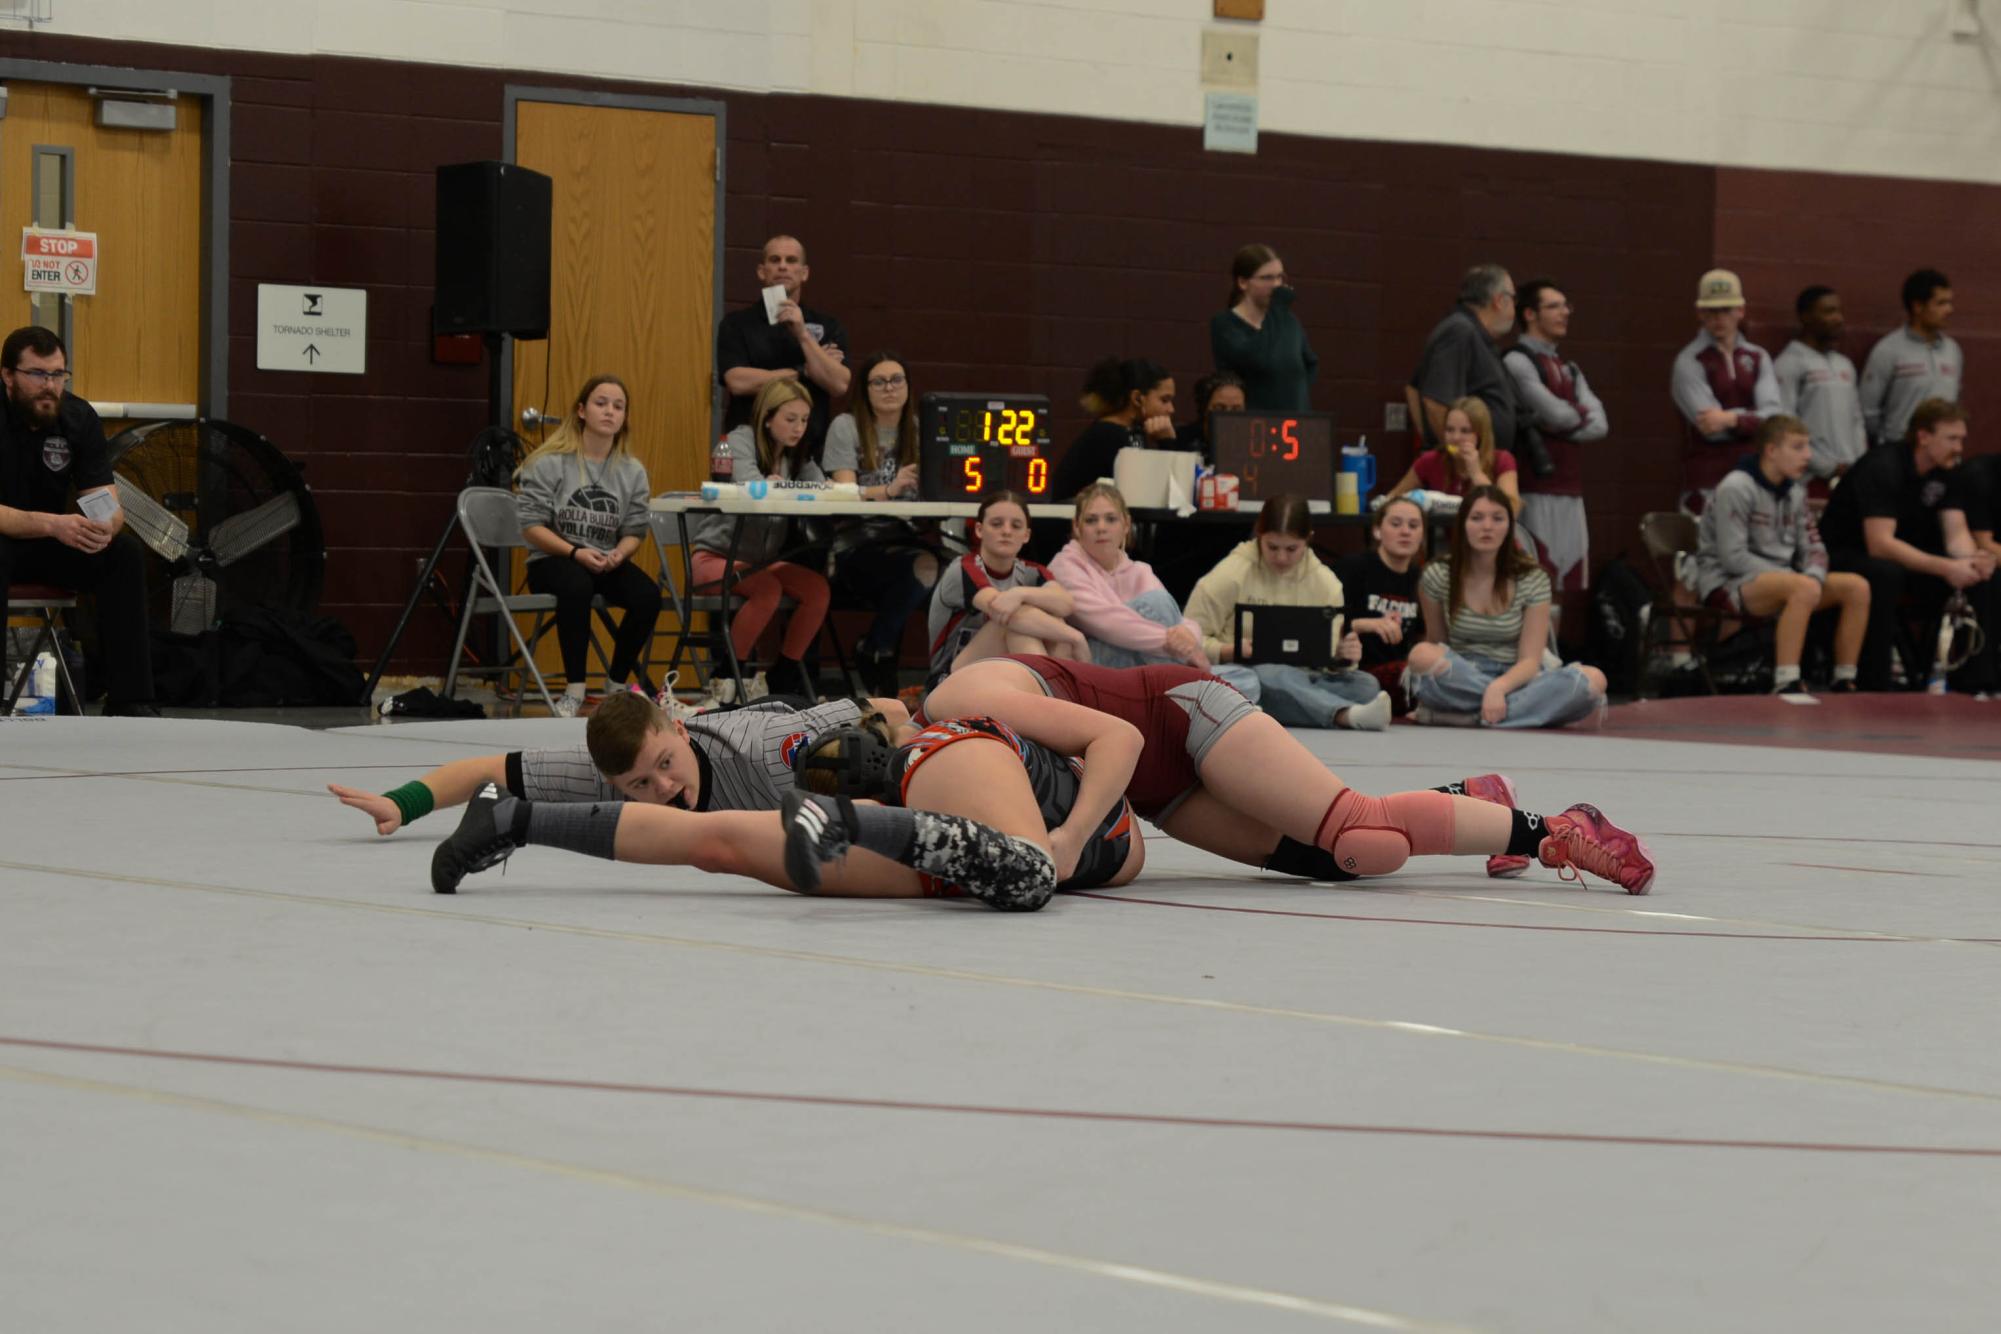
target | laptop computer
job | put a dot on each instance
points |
(1298, 636)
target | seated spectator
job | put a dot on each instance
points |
(1259, 339)
(53, 454)
(582, 502)
(1760, 555)
(993, 602)
(1465, 459)
(1486, 623)
(885, 563)
(1899, 519)
(1278, 568)
(1222, 391)
(1380, 585)
(1911, 364)
(768, 446)
(1723, 384)
(1133, 402)
(1817, 384)
(1127, 617)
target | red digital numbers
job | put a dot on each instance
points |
(1038, 476)
(1288, 431)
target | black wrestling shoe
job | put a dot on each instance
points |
(818, 830)
(476, 845)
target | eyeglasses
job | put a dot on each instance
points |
(1271, 278)
(56, 378)
(887, 382)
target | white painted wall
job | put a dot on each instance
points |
(1867, 86)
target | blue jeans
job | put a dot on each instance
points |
(1299, 697)
(1158, 606)
(1554, 698)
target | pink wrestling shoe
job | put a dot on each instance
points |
(1497, 789)
(1582, 839)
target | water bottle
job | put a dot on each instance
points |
(722, 464)
(1935, 684)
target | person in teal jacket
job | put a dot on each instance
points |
(1260, 339)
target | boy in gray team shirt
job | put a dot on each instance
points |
(726, 760)
(1913, 363)
(1817, 384)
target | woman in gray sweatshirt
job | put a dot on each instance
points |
(582, 501)
(1759, 554)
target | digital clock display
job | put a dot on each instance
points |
(973, 445)
(1276, 454)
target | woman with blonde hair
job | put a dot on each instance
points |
(770, 446)
(1127, 618)
(582, 501)
(1465, 458)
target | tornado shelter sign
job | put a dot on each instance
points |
(320, 329)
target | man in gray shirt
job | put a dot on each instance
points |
(1817, 384)
(1460, 358)
(1913, 363)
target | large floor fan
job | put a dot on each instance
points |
(229, 513)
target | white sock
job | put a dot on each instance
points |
(1785, 676)
(1844, 673)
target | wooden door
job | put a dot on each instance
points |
(138, 339)
(631, 274)
(631, 278)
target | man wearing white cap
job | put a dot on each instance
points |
(1723, 385)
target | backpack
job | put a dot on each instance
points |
(1621, 603)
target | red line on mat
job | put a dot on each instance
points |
(1033, 1113)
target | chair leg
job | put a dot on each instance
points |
(459, 644)
(64, 685)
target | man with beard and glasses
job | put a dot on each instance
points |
(53, 455)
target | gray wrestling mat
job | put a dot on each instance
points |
(254, 1076)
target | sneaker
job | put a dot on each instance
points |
(568, 705)
(1498, 789)
(1846, 686)
(1371, 717)
(476, 845)
(1582, 839)
(818, 830)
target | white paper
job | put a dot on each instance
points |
(98, 506)
(774, 297)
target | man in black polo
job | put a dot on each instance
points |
(52, 455)
(1461, 357)
(1899, 518)
(799, 343)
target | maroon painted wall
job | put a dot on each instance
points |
(1000, 250)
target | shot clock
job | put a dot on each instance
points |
(975, 444)
(1274, 453)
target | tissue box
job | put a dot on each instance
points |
(1217, 491)
(1156, 478)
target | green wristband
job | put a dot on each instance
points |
(413, 801)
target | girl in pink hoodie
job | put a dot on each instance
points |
(1129, 619)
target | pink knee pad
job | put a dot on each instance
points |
(1376, 835)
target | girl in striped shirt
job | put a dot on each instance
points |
(1486, 623)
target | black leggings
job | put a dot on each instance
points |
(627, 587)
(886, 579)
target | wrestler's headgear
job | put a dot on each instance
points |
(1960, 637)
(846, 762)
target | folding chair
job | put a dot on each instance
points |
(43, 602)
(489, 520)
(1667, 536)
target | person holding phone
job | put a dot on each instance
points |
(54, 461)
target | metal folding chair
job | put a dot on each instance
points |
(43, 602)
(489, 520)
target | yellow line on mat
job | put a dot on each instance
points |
(1125, 1273)
(1036, 984)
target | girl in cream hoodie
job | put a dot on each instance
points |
(1277, 568)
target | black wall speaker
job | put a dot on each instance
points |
(493, 250)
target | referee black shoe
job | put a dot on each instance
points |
(818, 830)
(478, 844)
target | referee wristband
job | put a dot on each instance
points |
(413, 801)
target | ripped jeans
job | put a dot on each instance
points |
(1557, 697)
(1298, 697)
